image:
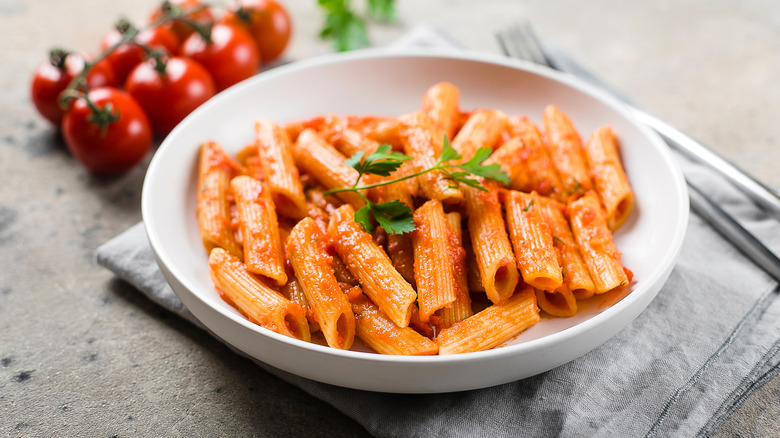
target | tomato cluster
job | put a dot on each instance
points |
(145, 81)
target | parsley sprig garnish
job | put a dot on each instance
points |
(395, 216)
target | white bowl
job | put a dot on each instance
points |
(392, 83)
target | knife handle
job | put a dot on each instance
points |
(732, 231)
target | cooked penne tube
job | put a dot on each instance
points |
(461, 307)
(440, 103)
(378, 332)
(293, 291)
(511, 157)
(536, 162)
(318, 158)
(609, 177)
(491, 326)
(490, 242)
(532, 241)
(281, 175)
(560, 302)
(576, 277)
(258, 302)
(314, 270)
(433, 269)
(379, 129)
(213, 206)
(263, 253)
(346, 140)
(566, 152)
(482, 129)
(372, 267)
(295, 128)
(421, 142)
(597, 246)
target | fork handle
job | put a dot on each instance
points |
(757, 191)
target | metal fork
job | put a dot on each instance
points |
(520, 42)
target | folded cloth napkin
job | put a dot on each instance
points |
(710, 337)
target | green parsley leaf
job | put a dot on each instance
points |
(448, 153)
(463, 177)
(363, 217)
(383, 161)
(355, 159)
(394, 216)
(383, 10)
(528, 207)
(343, 26)
(490, 171)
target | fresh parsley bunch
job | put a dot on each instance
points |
(395, 216)
(346, 28)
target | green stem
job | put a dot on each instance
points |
(355, 188)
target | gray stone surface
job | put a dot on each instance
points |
(81, 354)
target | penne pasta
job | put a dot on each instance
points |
(263, 252)
(377, 331)
(258, 302)
(576, 277)
(379, 129)
(532, 241)
(421, 142)
(371, 266)
(482, 129)
(433, 270)
(489, 240)
(461, 307)
(440, 104)
(456, 262)
(213, 204)
(560, 302)
(314, 270)
(321, 160)
(346, 140)
(492, 326)
(597, 246)
(281, 175)
(537, 165)
(565, 147)
(609, 177)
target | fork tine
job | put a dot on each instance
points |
(520, 41)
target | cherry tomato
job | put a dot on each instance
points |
(198, 12)
(231, 55)
(125, 57)
(168, 97)
(54, 75)
(107, 147)
(267, 21)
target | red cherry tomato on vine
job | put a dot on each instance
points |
(268, 22)
(114, 139)
(194, 10)
(125, 57)
(54, 75)
(168, 97)
(231, 55)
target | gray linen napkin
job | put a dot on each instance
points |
(705, 343)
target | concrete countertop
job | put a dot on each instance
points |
(82, 354)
